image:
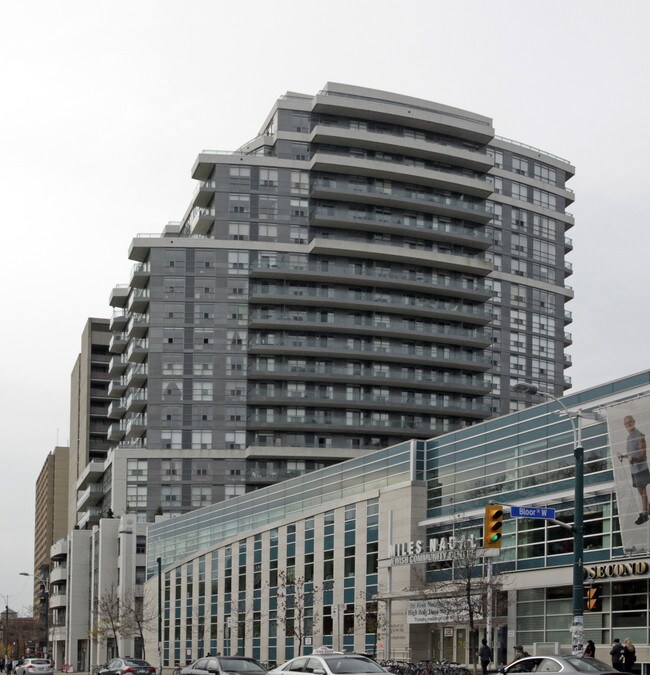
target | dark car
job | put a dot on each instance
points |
(224, 664)
(559, 664)
(127, 666)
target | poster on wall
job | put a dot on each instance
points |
(628, 426)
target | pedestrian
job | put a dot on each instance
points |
(590, 649)
(637, 457)
(8, 665)
(486, 656)
(616, 652)
(629, 655)
(519, 653)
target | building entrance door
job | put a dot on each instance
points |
(450, 644)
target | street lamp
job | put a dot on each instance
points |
(46, 598)
(577, 626)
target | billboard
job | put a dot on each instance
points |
(627, 426)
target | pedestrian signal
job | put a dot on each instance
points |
(594, 603)
(492, 524)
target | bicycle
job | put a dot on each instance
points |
(95, 670)
(177, 670)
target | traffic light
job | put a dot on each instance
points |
(492, 524)
(594, 600)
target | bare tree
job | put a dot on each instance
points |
(370, 615)
(297, 606)
(107, 619)
(136, 618)
(463, 598)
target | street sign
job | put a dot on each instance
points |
(532, 512)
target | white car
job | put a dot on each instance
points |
(330, 664)
(34, 667)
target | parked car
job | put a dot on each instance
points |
(559, 664)
(34, 667)
(127, 666)
(224, 664)
(330, 664)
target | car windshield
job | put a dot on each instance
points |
(241, 665)
(587, 664)
(352, 665)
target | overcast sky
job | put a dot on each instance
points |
(105, 105)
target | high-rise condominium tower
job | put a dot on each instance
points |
(369, 268)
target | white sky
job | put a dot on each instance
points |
(105, 105)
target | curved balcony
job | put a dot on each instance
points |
(402, 169)
(423, 404)
(366, 300)
(322, 423)
(58, 600)
(402, 197)
(58, 574)
(408, 377)
(416, 354)
(387, 327)
(435, 149)
(372, 221)
(91, 496)
(361, 274)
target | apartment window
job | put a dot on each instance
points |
(236, 340)
(542, 368)
(299, 207)
(239, 231)
(267, 232)
(172, 390)
(519, 267)
(298, 234)
(519, 165)
(497, 211)
(136, 496)
(268, 207)
(239, 204)
(517, 342)
(201, 468)
(498, 184)
(235, 413)
(494, 286)
(495, 259)
(203, 365)
(202, 391)
(201, 440)
(519, 243)
(136, 469)
(545, 173)
(170, 495)
(542, 346)
(202, 312)
(201, 496)
(237, 262)
(174, 258)
(203, 338)
(240, 173)
(300, 150)
(174, 287)
(238, 312)
(171, 440)
(518, 364)
(171, 415)
(520, 191)
(497, 155)
(204, 290)
(519, 218)
(299, 182)
(545, 199)
(172, 364)
(517, 294)
(544, 299)
(543, 324)
(235, 365)
(237, 288)
(269, 178)
(544, 251)
(236, 389)
(235, 440)
(201, 414)
(204, 260)
(234, 491)
(518, 318)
